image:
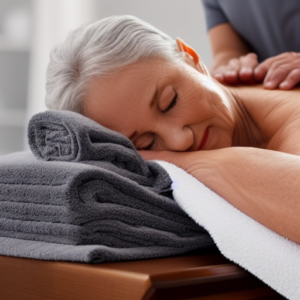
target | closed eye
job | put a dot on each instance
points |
(172, 104)
(150, 146)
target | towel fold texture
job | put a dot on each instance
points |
(88, 187)
(87, 253)
(69, 136)
(73, 203)
(51, 204)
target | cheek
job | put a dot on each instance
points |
(193, 102)
(222, 114)
(200, 100)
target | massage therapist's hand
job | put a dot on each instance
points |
(281, 71)
(238, 70)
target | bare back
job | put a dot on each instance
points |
(277, 115)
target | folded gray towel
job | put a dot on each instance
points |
(90, 204)
(89, 253)
(97, 200)
(69, 136)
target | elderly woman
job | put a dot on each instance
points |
(241, 142)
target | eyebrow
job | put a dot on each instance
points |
(153, 98)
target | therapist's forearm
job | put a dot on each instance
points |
(225, 45)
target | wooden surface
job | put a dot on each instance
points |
(208, 276)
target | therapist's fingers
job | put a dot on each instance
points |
(227, 74)
(218, 74)
(278, 73)
(262, 69)
(231, 74)
(248, 64)
(291, 80)
(237, 70)
(274, 70)
(282, 70)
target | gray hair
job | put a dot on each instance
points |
(101, 48)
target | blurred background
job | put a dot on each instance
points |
(30, 28)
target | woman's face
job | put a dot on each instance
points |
(162, 105)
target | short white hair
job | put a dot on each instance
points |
(101, 48)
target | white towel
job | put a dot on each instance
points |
(270, 257)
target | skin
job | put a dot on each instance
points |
(251, 154)
(235, 64)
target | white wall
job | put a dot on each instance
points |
(52, 20)
(178, 18)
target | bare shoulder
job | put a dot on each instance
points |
(277, 115)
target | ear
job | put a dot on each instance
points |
(183, 47)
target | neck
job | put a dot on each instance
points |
(246, 132)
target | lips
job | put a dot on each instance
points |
(205, 136)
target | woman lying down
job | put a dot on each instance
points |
(241, 142)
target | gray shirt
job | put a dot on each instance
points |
(269, 27)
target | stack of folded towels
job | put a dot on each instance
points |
(85, 194)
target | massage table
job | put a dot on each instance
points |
(205, 276)
(190, 277)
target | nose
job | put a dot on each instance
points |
(177, 138)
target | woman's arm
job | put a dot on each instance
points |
(264, 184)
